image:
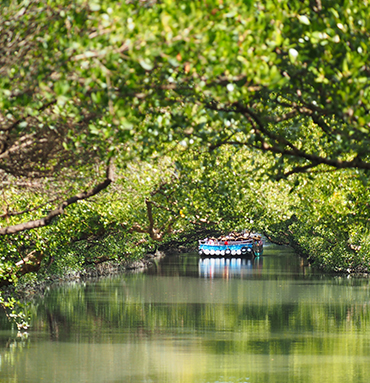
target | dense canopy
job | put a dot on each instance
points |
(111, 76)
(250, 114)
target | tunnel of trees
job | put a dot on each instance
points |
(127, 124)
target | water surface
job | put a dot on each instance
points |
(270, 319)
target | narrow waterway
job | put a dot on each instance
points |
(270, 319)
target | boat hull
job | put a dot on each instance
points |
(231, 250)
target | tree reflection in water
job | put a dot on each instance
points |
(266, 319)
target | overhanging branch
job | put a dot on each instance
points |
(60, 209)
(280, 145)
(313, 158)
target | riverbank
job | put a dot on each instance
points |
(89, 259)
(24, 291)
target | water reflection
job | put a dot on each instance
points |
(196, 320)
(229, 267)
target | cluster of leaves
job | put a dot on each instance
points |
(327, 219)
(16, 312)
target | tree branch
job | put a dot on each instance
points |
(315, 159)
(280, 145)
(155, 234)
(60, 209)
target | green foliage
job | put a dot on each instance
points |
(16, 312)
(327, 219)
(286, 79)
(217, 114)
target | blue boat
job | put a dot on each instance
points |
(225, 247)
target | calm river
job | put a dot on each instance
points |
(188, 320)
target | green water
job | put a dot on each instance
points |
(186, 320)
